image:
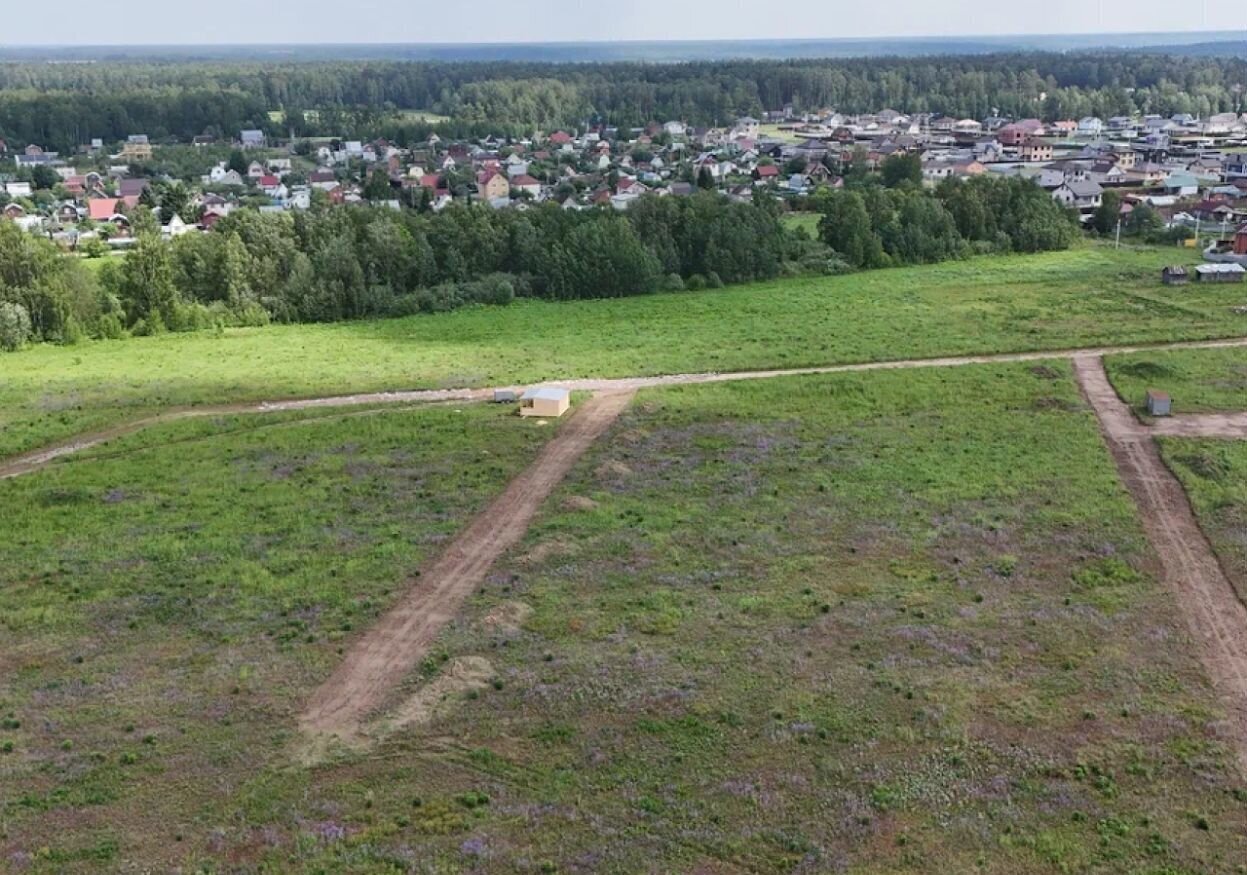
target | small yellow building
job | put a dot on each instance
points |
(545, 401)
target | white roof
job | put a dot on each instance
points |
(546, 393)
(1220, 268)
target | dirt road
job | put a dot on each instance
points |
(1217, 620)
(1213, 425)
(33, 461)
(392, 647)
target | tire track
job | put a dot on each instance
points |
(1215, 616)
(377, 662)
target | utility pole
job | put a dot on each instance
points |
(1117, 240)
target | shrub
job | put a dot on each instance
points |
(14, 326)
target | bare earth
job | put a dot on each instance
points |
(1216, 618)
(377, 662)
(33, 461)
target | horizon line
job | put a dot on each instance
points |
(1222, 33)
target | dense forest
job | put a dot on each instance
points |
(62, 105)
(354, 262)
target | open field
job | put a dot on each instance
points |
(808, 221)
(773, 131)
(1214, 474)
(875, 622)
(1086, 296)
(1198, 380)
(165, 610)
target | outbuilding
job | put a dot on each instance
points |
(1220, 272)
(1175, 275)
(1158, 403)
(549, 401)
(505, 396)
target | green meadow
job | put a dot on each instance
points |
(878, 622)
(167, 603)
(1214, 474)
(1198, 380)
(1090, 295)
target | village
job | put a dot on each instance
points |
(1192, 171)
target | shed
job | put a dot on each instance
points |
(505, 396)
(1222, 272)
(1175, 275)
(1158, 403)
(545, 401)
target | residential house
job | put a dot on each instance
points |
(1081, 195)
(1181, 185)
(251, 139)
(1035, 150)
(1090, 127)
(136, 148)
(492, 185)
(525, 184)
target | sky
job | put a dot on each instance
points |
(425, 21)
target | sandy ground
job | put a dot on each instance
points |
(379, 660)
(1217, 620)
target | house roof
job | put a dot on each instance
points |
(545, 393)
(103, 208)
(1227, 267)
(524, 179)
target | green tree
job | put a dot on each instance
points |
(238, 162)
(1107, 214)
(846, 228)
(15, 328)
(901, 168)
(146, 285)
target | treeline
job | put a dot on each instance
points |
(876, 226)
(357, 262)
(61, 105)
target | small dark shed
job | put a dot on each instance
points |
(1175, 275)
(505, 396)
(1158, 403)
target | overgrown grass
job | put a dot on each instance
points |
(808, 221)
(1214, 475)
(880, 622)
(1086, 296)
(165, 610)
(872, 622)
(1198, 380)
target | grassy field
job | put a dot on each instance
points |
(772, 131)
(808, 221)
(878, 623)
(1214, 474)
(164, 609)
(1058, 300)
(1198, 380)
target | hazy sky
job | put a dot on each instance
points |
(295, 21)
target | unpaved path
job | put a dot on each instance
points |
(1216, 618)
(1212, 425)
(37, 459)
(391, 648)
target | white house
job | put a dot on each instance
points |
(1090, 126)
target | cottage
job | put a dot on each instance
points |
(1158, 403)
(549, 401)
(1228, 272)
(1175, 275)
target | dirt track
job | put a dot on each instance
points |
(379, 660)
(33, 461)
(1213, 425)
(1216, 618)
